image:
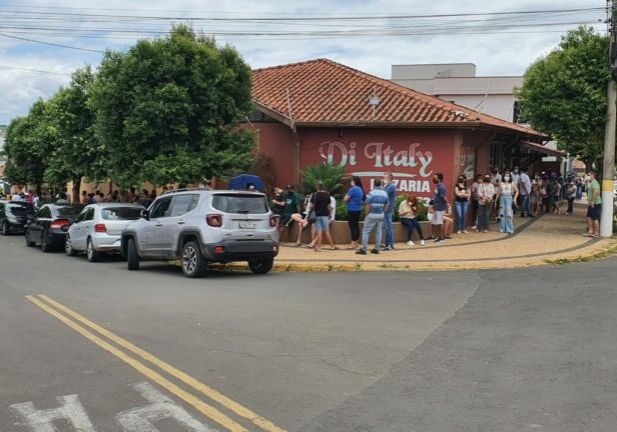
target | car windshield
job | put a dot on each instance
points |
(20, 209)
(240, 203)
(68, 211)
(121, 213)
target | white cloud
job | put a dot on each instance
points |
(507, 54)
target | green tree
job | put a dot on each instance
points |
(330, 175)
(28, 146)
(564, 93)
(169, 110)
(76, 152)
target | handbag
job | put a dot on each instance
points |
(312, 217)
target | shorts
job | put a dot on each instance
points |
(595, 212)
(322, 223)
(438, 217)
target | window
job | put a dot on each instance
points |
(161, 208)
(239, 203)
(68, 211)
(89, 215)
(44, 213)
(121, 213)
(184, 204)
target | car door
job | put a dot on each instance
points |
(84, 226)
(153, 236)
(75, 230)
(180, 206)
(43, 219)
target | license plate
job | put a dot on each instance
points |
(247, 225)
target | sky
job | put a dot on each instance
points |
(370, 35)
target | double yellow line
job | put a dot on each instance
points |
(89, 330)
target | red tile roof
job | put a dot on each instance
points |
(323, 92)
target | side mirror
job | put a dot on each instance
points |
(145, 214)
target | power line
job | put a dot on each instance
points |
(33, 70)
(50, 43)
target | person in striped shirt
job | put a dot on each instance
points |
(376, 207)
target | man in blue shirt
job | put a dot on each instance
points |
(390, 190)
(440, 205)
(376, 207)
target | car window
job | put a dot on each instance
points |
(183, 204)
(44, 213)
(161, 208)
(68, 211)
(89, 215)
(121, 213)
(20, 209)
(240, 203)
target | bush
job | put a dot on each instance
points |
(422, 210)
(330, 175)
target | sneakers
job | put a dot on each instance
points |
(439, 240)
(386, 247)
(361, 252)
(446, 237)
(410, 243)
(465, 232)
(422, 242)
(459, 232)
(374, 251)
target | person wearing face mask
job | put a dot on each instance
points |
(486, 191)
(440, 204)
(462, 194)
(507, 195)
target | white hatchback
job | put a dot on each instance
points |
(97, 229)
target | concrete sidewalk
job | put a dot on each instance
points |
(537, 241)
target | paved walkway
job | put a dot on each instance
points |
(537, 241)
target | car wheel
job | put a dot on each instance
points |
(91, 253)
(45, 246)
(6, 229)
(29, 243)
(68, 247)
(193, 263)
(132, 257)
(261, 266)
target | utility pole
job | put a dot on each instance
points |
(606, 223)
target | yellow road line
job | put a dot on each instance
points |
(196, 403)
(182, 376)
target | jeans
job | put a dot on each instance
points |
(461, 214)
(506, 214)
(353, 218)
(525, 206)
(387, 223)
(579, 192)
(570, 205)
(372, 221)
(484, 216)
(412, 224)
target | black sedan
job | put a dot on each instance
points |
(14, 216)
(50, 226)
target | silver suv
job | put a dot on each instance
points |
(204, 226)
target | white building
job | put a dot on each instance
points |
(458, 83)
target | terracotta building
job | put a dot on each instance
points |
(321, 111)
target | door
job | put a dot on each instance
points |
(86, 226)
(180, 207)
(152, 236)
(43, 219)
(75, 231)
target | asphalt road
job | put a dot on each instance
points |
(513, 350)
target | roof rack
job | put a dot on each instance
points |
(206, 188)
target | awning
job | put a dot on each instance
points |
(539, 148)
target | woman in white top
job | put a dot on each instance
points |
(506, 194)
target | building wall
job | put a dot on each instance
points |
(412, 155)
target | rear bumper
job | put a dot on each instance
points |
(17, 225)
(106, 242)
(240, 250)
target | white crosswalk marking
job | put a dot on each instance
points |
(70, 410)
(160, 407)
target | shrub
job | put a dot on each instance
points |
(330, 175)
(422, 210)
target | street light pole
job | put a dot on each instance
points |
(606, 223)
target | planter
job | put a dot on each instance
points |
(341, 235)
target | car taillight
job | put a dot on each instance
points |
(60, 223)
(274, 221)
(219, 250)
(100, 228)
(214, 220)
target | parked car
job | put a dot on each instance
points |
(98, 227)
(204, 226)
(14, 216)
(51, 224)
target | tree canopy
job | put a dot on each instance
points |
(168, 110)
(564, 93)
